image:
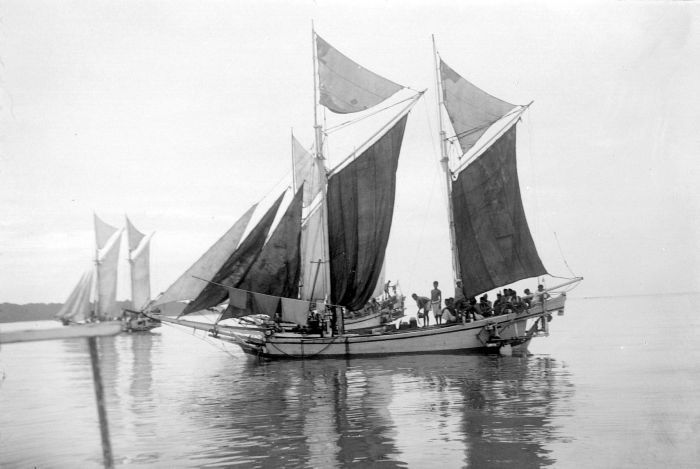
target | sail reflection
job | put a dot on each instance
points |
(465, 411)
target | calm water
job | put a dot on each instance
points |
(617, 384)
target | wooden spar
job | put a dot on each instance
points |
(324, 190)
(411, 102)
(294, 171)
(570, 282)
(205, 326)
(513, 119)
(101, 409)
(444, 161)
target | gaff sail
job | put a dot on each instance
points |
(139, 260)
(344, 85)
(360, 207)
(471, 110)
(103, 232)
(107, 264)
(237, 264)
(188, 286)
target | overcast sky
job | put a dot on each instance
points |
(179, 115)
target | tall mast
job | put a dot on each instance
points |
(97, 272)
(294, 172)
(323, 263)
(444, 161)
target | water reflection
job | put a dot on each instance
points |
(388, 412)
(180, 403)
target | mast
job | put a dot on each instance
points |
(97, 276)
(323, 263)
(294, 175)
(444, 162)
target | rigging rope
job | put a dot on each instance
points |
(562, 255)
(335, 128)
(220, 346)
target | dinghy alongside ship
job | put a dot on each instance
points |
(327, 252)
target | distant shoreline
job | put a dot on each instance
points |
(11, 312)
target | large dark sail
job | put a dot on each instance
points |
(276, 270)
(237, 265)
(360, 210)
(493, 238)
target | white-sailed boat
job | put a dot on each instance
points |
(94, 297)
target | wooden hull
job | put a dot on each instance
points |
(505, 334)
(369, 321)
(142, 324)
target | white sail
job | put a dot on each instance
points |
(133, 236)
(103, 232)
(77, 306)
(189, 285)
(140, 274)
(107, 264)
(312, 253)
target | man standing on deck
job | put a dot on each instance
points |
(436, 302)
(424, 304)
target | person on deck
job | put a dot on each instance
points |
(423, 303)
(460, 300)
(485, 305)
(473, 310)
(527, 298)
(449, 313)
(498, 304)
(436, 302)
(541, 294)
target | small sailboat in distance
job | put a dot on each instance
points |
(139, 262)
(93, 300)
(337, 222)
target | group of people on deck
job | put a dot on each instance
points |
(461, 309)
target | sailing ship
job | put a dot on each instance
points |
(93, 300)
(326, 254)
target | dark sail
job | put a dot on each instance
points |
(237, 265)
(276, 270)
(360, 209)
(493, 239)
